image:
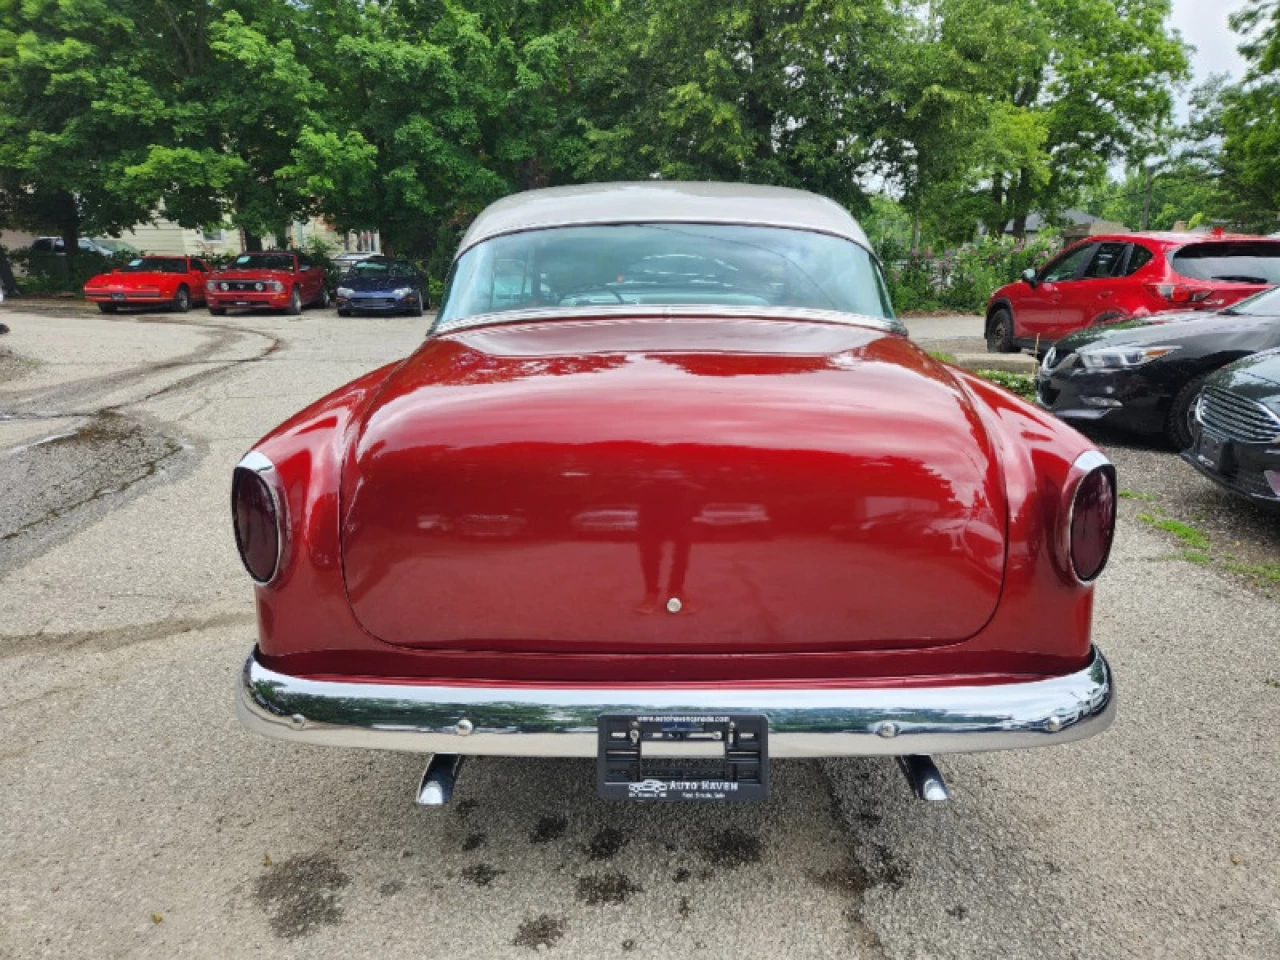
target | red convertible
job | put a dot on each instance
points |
(150, 281)
(668, 486)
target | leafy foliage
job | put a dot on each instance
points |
(408, 116)
(1023, 384)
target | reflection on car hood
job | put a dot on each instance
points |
(1167, 328)
(1263, 367)
(812, 469)
(376, 282)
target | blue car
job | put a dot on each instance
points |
(381, 285)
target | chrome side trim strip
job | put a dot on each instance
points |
(561, 722)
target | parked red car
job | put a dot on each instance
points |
(150, 281)
(275, 279)
(668, 480)
(1110, 278)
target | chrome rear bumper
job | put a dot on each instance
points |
(561, 722)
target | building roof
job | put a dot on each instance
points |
(663, 201)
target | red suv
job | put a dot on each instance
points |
(1111, 278)
(275, 279)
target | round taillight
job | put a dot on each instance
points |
(1093, 523)
(257, 526)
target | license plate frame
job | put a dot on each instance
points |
(736, 770)
(1212, 451)
(117, 297)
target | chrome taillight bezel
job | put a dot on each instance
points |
(1084, 466)
(264, 470)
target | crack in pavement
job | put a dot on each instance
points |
(56, 481)
(104, 641)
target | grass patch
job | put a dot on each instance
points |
(1023, 384)
(1188, 534)
(943, 356)
(1263, 571)
(1136, 495)
(1198, 557)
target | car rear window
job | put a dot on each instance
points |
(1248, 262)
(647, 264)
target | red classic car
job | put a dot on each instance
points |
(1114, 278)
(668, 486)
(150, 281)
(276, 279)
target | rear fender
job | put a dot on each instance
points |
(1043, 609)
(305, 605)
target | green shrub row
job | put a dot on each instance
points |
(960, 279)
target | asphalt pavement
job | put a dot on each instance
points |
(139, 819)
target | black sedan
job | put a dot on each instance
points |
(381, 285)
(1144, 375)
(1236, 428)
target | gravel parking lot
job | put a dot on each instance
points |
(140, 820)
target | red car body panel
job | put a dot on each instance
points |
(148, 287)
(1051, 310)
(308, 281)
(477, 495)
(457, 479)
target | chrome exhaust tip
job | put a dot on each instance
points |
(924, 777)
(438, 780)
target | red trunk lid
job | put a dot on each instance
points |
(556, 486)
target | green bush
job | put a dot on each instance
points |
(961, 279)
(1023, 384)
(50, 273)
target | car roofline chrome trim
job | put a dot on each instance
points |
(669, 311)
(544, 721)
(708, 221)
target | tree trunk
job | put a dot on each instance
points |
(1020, 204)
(69, 224)
(7, 282)
(252, 242)
(996, 221)
(1146, 199)
(915, 233)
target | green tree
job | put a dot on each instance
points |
(1096, 76)
(233, 97)
(437, 110)
(1250, 119)
(70, 95)
(761, 91)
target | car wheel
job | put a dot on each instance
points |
(1177, 423)
(182, 300)
(295, 303)
(107, 307)
(323, 302)
(218, 311)
(417, 310)
(343, 313)
(1000, 332)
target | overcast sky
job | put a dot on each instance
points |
(1204, 24)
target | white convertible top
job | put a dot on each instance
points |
(663, 201)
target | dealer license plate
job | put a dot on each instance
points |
(683, 756)
(1212, 451)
